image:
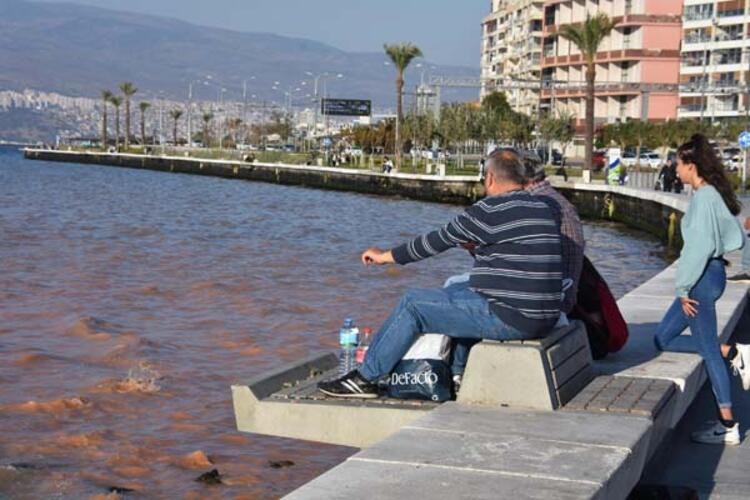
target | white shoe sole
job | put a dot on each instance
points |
(352, 395)
(729, 442)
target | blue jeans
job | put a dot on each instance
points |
(455, 311)
(703, 329)
(746, 254)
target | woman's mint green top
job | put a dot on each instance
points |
(709, 230)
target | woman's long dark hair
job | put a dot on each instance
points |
(700, 153)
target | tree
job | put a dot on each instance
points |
(642, 133)
(207, 116)
(497, 102)
(128, 90)
(106, 96)
(176, 113)
(401, 55)
(520, 129)
(116, 101)
(558, 128)
(587, 37)
(143, 106)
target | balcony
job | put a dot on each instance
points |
(697, 16)
(725, 37)
(731, 13)
(704, 38)
(691, 63)
(692, 108)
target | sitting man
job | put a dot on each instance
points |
(515, 287)
(572, 248)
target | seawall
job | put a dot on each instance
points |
(657, 213)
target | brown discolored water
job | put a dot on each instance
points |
(130, 301)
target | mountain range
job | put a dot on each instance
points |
(79, 50)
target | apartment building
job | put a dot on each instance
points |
(715, 68)
(512, 52)
(637, 66)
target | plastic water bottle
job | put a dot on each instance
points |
(364, 344)
(348, 339)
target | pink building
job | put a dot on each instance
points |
(637, 66)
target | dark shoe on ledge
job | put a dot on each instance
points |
(351, 385)
(739, 278)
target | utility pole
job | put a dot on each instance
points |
(190, 115)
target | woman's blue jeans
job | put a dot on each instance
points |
(455, 311)
(703, 328)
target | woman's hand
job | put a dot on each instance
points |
(689, 306)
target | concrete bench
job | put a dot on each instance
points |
(540, 374)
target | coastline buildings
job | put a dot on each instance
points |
(512, 52)
(638, 64)
(715, 69)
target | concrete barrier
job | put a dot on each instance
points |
(542, 374)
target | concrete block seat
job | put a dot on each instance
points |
(543, 374)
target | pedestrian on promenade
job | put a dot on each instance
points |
(709, 230)
(613, 173)
(515, 287)
(387, 165)
(744, 275)
(667, 175)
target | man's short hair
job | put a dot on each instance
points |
(506, 164)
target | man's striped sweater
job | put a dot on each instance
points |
(517, 262)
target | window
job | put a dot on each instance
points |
(626, 37)
(699, 12)
(728, 56)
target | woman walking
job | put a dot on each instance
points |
(709, 230)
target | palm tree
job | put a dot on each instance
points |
(207, 117)
(143, 106)
(106, 96)
(401, 54)
(116, 101)
(176, 113)
(127, 89)
(587, 37)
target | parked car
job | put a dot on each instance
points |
(651, 159)
(628, 158)
(599, 160)
(646, 159)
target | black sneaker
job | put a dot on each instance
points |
(739, 278)
(351, 385)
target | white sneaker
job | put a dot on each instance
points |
(741, 364)
(718, 434)
(457, 379)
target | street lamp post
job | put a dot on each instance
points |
(318, 102)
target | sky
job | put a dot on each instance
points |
(447, 31)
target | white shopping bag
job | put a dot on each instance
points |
(430, 346)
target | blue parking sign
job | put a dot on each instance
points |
(744, 139)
